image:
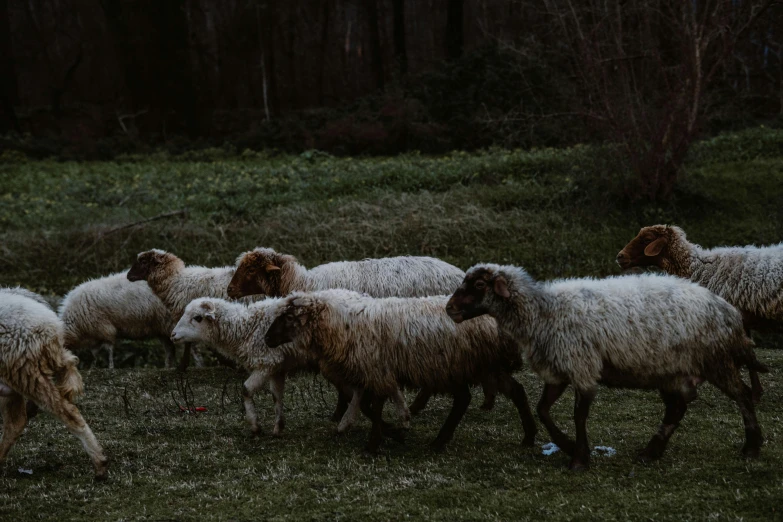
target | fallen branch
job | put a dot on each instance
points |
(181, 212)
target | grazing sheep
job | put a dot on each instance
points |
(238, 332)
(98, 312)
(18, 290)
(381, 344)
(35, 366)
(264, 271)
(750, 277)
(647, 331)
(177, 285)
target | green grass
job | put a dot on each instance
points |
(169, 465)
(555, 212)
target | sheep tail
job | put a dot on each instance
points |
(67, 377)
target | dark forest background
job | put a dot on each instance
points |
(95, 78)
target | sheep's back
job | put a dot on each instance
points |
(750, 278)
(28, 329)
(405, 276)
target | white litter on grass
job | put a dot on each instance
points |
(550, 447)
(25, 471)
(605, 451)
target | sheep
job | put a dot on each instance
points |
(177, 285)
(264, 271)
(35, 366)
(750, 277)
(379, 344)
(238, 331)
(643, 331)
(99, 311)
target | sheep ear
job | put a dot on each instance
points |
(209, 310)
(271, 268)
(501, 287)
(654, 248)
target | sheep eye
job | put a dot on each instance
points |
(198, 318)
(480, 285)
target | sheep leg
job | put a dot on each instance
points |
(755, 383)
(185, 361)
(366, 407)
(376, 432)
(676, 406)
(109, 347)
(740, 393)
(458, 409)
(403, 412)
(490, 387)
(170, 350)
(549, 396)
(44, 392)
(12, 408)
(343, 400)
(420, 402)
(581, 457)
(277, 387)
(253, 383)
(512, 389)
(349, 417)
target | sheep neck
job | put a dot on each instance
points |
(238, 330)
(682, 259)
(295, 278)
(162, 280)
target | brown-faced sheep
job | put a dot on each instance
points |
(34, 366)
(648, 331)
(749, 277)
(379, 345)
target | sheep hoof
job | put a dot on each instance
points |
(751, 452)
(529, 440)
(756, 398)
(102, 476)
(647, 455)
(578, 465)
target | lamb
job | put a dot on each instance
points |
(264, 271)
(750, 277)
(238, 331)
(644, 331)
(177, 285)
(35, 366)
(99, 311)
(379, 344)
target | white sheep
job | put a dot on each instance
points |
(238, 331)
(643, 331)
(380, 344)
(99, 311)
(35, 366)
(749, 277)
(264, 271)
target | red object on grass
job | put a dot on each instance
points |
(193, 409)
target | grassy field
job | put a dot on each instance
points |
(558, 213)
(171, 465)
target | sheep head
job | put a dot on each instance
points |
(649, 248)
(149, 262)
(480, 287)
(200, 315)
(258, 272)
(291, 321)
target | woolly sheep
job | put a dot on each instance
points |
(238, 332)
(645, 331)
(177, 285)
(750, 277)
(264, 271)
(35, 366)
(99, 311)
(379, 344)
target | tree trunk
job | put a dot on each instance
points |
(400, 52)
(375, 44)
(455, 37)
